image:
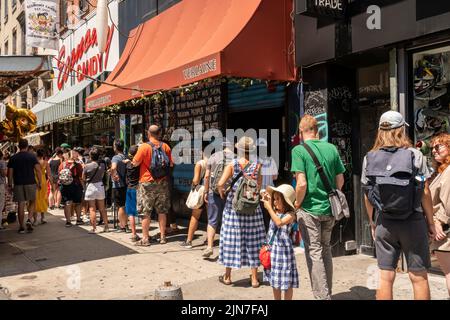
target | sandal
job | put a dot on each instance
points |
(142, 243)
(163, 241)
(254, 284)
(226, 282)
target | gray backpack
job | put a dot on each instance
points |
(217, 174)
(391, 188)
(246, 198)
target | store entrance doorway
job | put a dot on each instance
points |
(272, 120)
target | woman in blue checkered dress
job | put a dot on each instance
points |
(282, 275)
(241, 236)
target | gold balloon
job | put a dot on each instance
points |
(18, 123)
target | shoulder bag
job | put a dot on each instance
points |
(339, 205)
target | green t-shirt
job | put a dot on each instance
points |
(316, 198)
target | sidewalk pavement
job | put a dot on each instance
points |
(61, 263)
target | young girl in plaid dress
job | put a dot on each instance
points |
(282, 275)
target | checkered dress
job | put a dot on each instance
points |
(241, 236)
(283, 273)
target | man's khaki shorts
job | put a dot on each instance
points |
(25, 192)
(152, 195)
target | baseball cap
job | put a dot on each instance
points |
(65, 145)
(391, 120)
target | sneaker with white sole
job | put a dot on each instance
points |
(29, 226)
(186, 244)
(208, 252)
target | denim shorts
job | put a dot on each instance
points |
(131, 203)
(215, 209)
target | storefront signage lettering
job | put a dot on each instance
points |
(100, 101)
(200, 69)
(330, 4)
(76, 60)
(322, 8)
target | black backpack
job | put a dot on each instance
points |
(160, 163)
(392, 187)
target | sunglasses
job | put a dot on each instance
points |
(438, 147)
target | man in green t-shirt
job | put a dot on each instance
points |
(314, 217)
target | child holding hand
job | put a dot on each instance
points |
(282, 275)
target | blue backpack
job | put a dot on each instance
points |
(160, 164)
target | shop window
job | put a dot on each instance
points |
(431, 78)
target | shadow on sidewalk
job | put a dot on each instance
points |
(53, 245)
(356, 293)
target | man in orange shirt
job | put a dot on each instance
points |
(153, 192)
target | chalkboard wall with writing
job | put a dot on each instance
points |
(203, 102)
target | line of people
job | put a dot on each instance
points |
(408, 208)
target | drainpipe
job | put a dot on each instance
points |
(393, 79)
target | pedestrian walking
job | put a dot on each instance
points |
(155, 161)
(197, 182)
(70, 174)
(440, 194)
(24, 183)
(132, 176)
(396, 194)
(93, 174)
(242, 235)
(55, 194)
(215, 166)
(41, 194)
(282, 274)
(314, 215)
(118, 176)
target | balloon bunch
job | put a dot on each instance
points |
(18, 123)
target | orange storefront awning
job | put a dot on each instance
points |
(199, 39)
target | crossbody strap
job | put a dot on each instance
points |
(240, 174)
(320, 170)
(98, 166)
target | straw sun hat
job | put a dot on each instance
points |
(286, 190)
(246, 144)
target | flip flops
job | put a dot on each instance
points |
(226, 282)
(254, 285)
(142, 243)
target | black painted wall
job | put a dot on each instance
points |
(319, 39)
